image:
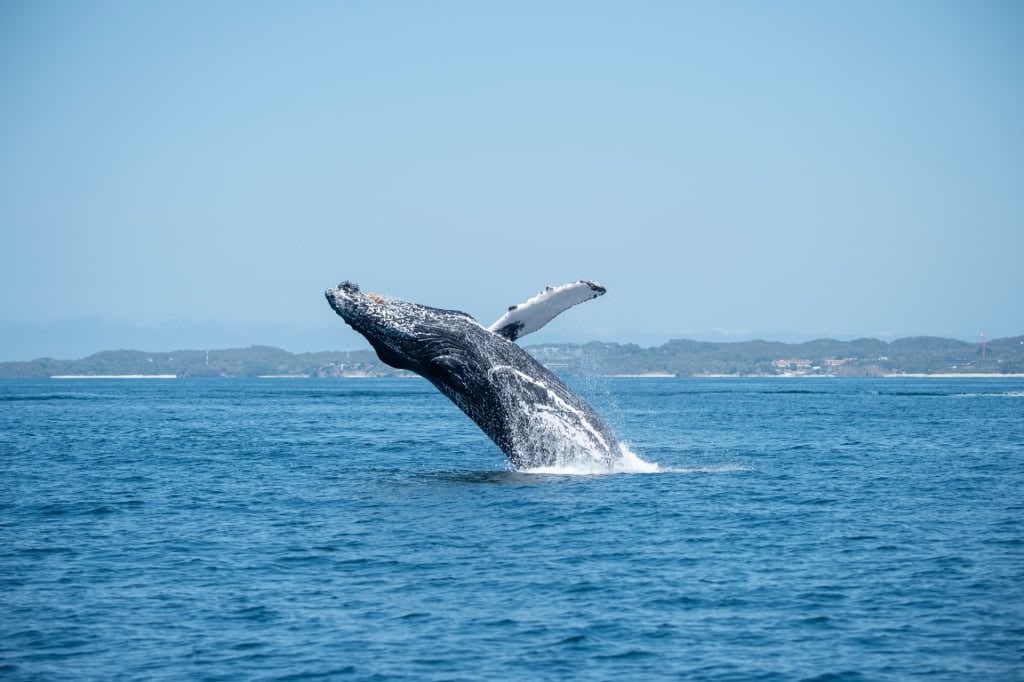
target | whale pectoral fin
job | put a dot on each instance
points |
(531, 315)
(510, 330)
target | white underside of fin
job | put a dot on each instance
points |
(536, 312)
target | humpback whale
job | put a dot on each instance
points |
(523, 407)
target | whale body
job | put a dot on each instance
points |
(527, 411)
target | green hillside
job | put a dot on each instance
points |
(825, 357)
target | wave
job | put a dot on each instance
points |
(711, 469)
(45, 397)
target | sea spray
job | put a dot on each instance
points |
(628, 462)
(566, 441)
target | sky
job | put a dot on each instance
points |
(195, 174)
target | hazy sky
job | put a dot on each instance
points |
(195, 174)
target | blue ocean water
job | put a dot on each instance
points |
(830, 529)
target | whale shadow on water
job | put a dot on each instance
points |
(540, 424)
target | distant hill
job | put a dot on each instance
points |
(235, 362)
(825, 357)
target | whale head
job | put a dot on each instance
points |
(405, 335)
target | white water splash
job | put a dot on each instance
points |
(628, 463)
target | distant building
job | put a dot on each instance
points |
(791, 364)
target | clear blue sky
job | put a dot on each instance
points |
(194, 174)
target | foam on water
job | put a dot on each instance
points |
(628, 463)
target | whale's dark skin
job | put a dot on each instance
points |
(526, 410)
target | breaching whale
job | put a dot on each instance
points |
(523, 407)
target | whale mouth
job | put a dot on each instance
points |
(347, 298)
(368, 313)
(344, 299)
(346, 291)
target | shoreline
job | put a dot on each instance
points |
(953, 375)
(114, 376)
(640, 375)
(908, 375)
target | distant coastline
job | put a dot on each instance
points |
(114, 376)
(910, 357)
(965, 375)
(962, 375)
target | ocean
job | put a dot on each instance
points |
(364, 529)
